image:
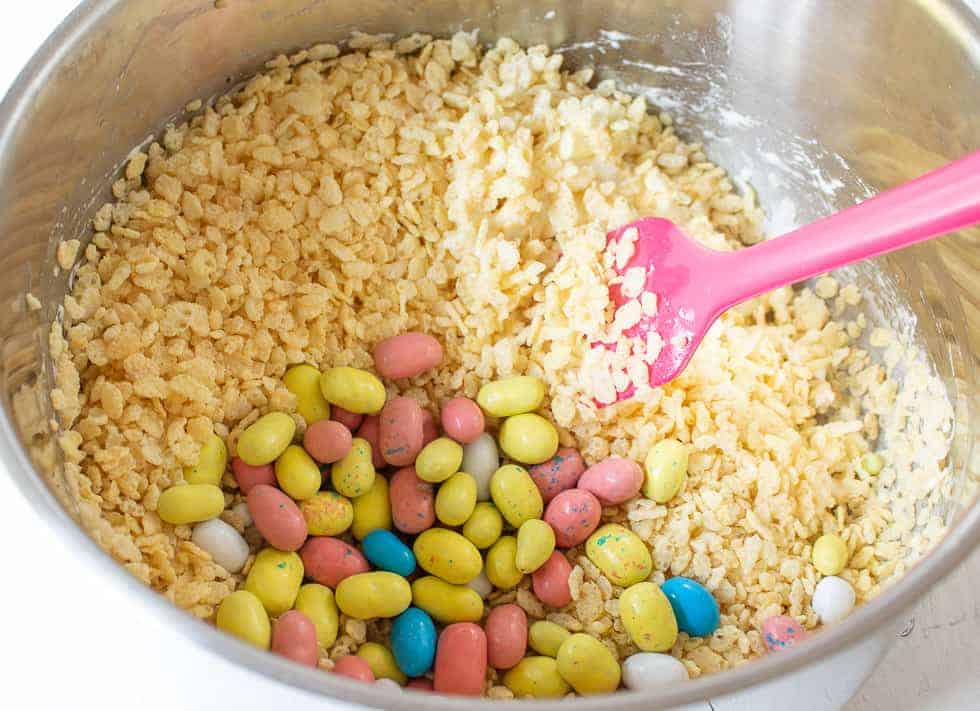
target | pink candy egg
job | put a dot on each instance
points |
(277, 517)
(462, 419)
(407, 355)
(412, 501)
(400, 431)
(573, 514)
(350, 420)
(461, 660)
(506, 629)
(329, 560)
(550, 581)
(294, 637)
(613, 481)
(429, 430)
(370, 431)
(355, 667)
(559, 473)
(327, 441)
(249, 476)
(781, 632)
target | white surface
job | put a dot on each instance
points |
(70, 643)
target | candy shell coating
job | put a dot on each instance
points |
(481, 585)
(528, 438)
(375, 594)
(648, 617)
(550, 581)
(462, 419)
(190, 503)
(484, 526)
(382, 662)
(439, 460)
(316, 602)
(559, 473)
(354, 475)
(274, 578)
(353, 389)
(412, 502)
(546, 637)
(480, 460)
(535, 544)
(620, 554)
(294, 637)
(329, 561)
(829, 554)
(587, 665)
(614, 480)
(652, 670)
(400, 431)
(370, 432)
(211, 463)
(354, 667)
(303, 381)
(407, 355)
(447, 555)
(515, 495)
(413, 641)
(666, 470)
(387, 552)
(445, 602)
(327, 441)
(243, 615)
(506, 629)
(461, 660)
(372, 510)
(277, 517)
(350, 420)
(781, 632)
(501, 563)
(298, 475)
(327, 514)
(226, 545)
(833, 599)
(511, 396)
(536, 677)
(265, 439)
(694, 606)
(574, 515)
(248, 476)
(456, 499)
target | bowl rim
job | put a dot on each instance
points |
(961, 538)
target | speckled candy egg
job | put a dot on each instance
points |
(781, 632)
(574, 514)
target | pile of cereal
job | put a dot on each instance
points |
(336, 201)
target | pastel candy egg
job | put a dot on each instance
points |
(353, 389)
(275, 578)
(316, 602)
(546, 637)
(400, 433)
(695, 608)
(620, 554)
(386, 551)
(382, 662)
(439, 460)
(327, 441)
(370, 432)
(559, 473)
(456, 499)
(833, 599)
(515, 495)
(265, 439)
(226, 545)
(407, 355)
(535, 544)
(550, 581)
(190, 503)
(294, 637)
(243, 615)
(511, 396)
(446, 602)
(666, 470)
(354, 474)
(330, 560)
(573, 514)
(648, 618)
(462, 419)
(371, 510)
(277, 517)
(303, 381)
(480, 460)
(501, 567)
(354, 667)
(506, 629)
(350, 420)
(327, 514)
(429, 430)
(537, 677)
(447, 555)
(412, 502)
(461, 660)
(376, 594)
(413, 641)
(829, 554)
(484, 526)
(248, 476)
(297, 473)
(613, 480)
(211, 463)
(781, 632)
(650, 670)
(588, 665)
(528, 438)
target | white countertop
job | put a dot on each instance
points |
(70, 643)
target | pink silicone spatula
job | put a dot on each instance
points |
(694, 284)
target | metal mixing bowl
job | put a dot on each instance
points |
(816, 103)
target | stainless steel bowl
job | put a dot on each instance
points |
(817, 102)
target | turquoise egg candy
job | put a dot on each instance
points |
(694, 607)
(387, 552)
(413, 641)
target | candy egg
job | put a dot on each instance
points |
(190, 503)
(446, 602)
(248, 476)
(484, 526)
(327, 441)
(439, 460)
(550, 581)
(501, 566)
(620, 554)
(297, 473)
(400, 434)
(370, 432)
(829, 554)
(407, 355)
(429, 430)
(277, 517)
(614, 480)
(515, 495)
(226, 545)
(481, 585)
(330, 560)
(376, 594)
(350, 420)
(316, 602)
(546, 637)
(833, 599)
(511, 396)
(506, 629)
(211, 463)
(781, 632)
(353, 475)
(303, 381)
(588, 665)
(456, 499)
(242, 615)
(535, 544)
(462, 419)
(528, 438)
(559, 473)
(275, 578)
(872, 463)
(695, 608)
(648, 617)
(447, 555)
(666, 469)
(327, 514)
(481, 460)
(265, 439)
(649, 670)
(537, 677)
(386, 551)
(354, 667)
(372, 510)
(461, 660)
(573, 514)
(294, 637)
(413, 641)
(382, 662)
(353, 389)
(412, 502)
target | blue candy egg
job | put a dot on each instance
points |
(694, 607)
(413, 641)
(386, 551)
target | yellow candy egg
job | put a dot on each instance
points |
(501, 566)
(211, 463)
(372, 510)
(327, 514)
(303, 381)
(484, 525)
(588, 665)
(546, 637)
(190, 503)
(297, 473)
(666, 470)
(648, 617)
(535, 544)
(528, 438)
(377, 594)
(439, 460)
(516, 495)
(447, 603)
(829, 554)
(381, 661)
(536, 677)
(274, 579)
(353, 389)
(511, 396)
(242, 615)
(354, 475)
(456, 499)
(620, 554)
(447, 555)
(265, 439)
(316, 602)
(872, 463)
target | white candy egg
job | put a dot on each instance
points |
(833, 599)
(481, 584)
(223, 542)
(649, 670)
(241, 510)
(481, 460)
(388, 684)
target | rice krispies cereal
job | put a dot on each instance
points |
(338, 199)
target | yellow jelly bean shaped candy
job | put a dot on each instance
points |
(516, 495)
(620, 554)
(377, 594)
(353, 475)
(829, 554)
(447, 603)
(372, 510)
(872, 463)
(297, 473)
(190, 503)
(502, 563)
(303, 381)
(274, 579)
(265, 439)
(528, 438)
(586, 664)
(211, 463)
(456, 499)
(546, 637)
(484, 525)
(535, 544)
(381, 661)
(327, 514)
(353, 389)
(439, 460)
(316, 602)
(242, 615)
(537, 677)
(447, 555)
(511, 396)
(648, 617)
(666, 470)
